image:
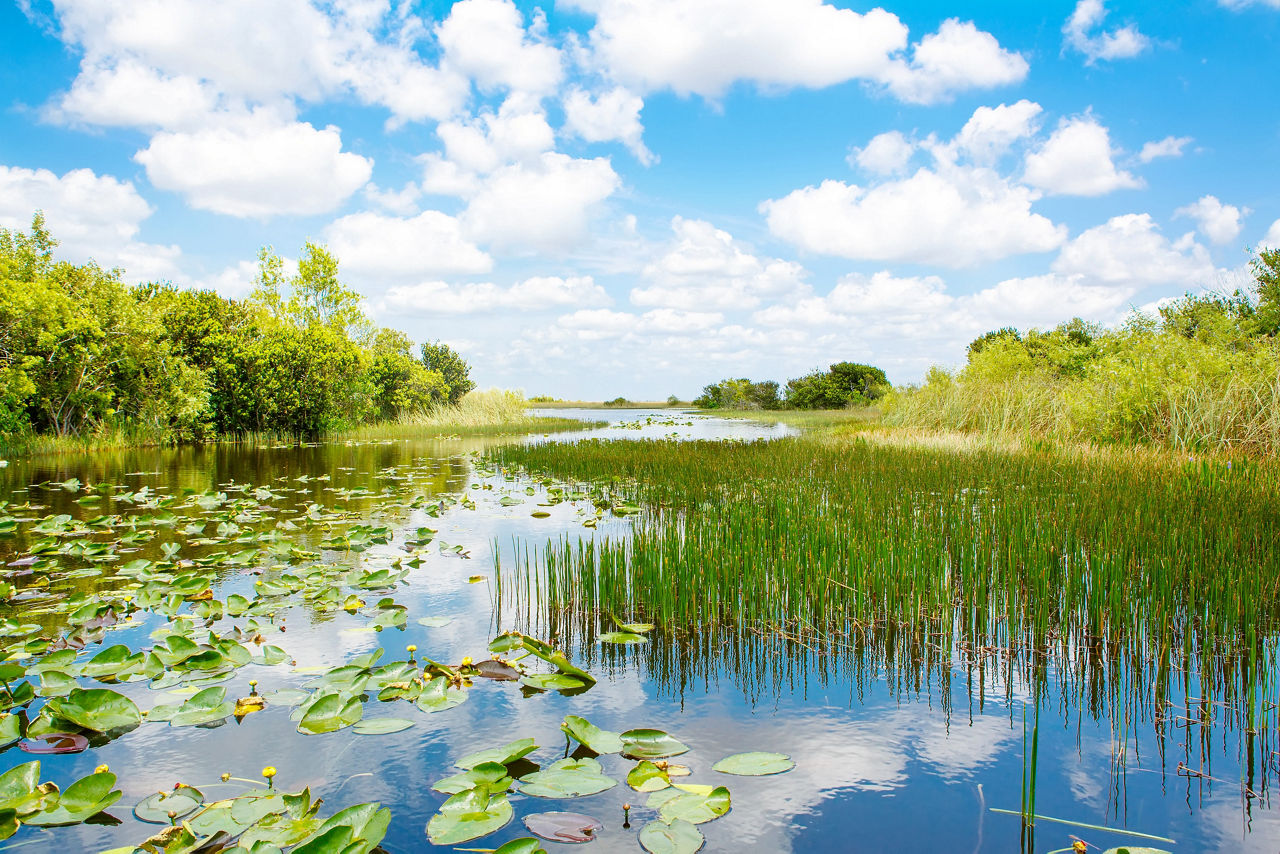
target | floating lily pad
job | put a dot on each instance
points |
(96, 709)
(381, 726)
(567, 778)
(438, 695)
(331, 713)
(156, 809)
(563, 826)
(648, 777)
(487, 775)
(524, 845)
(676, 837)
(204, 707)
(650, 744)
(552, 682)
(499, 670)
(469, 815)
(694, 807)
(504, 755)
(83, 799)
(54, 742)
(10, 729)
(754, 764)
(591, 736)
(622, 638)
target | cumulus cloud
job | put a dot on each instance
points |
(1130, 251)
(952, 217)
(887, 153)
(257, 165)
(1170, 146)
(126, 93)
(544, 205)
(486, 39)
(1216, 221)
(705, 46)
(428, 244)
(611, 115)
(601, 323)
(534, 294)
(957, 57)
(1272, 238)
(1076, 160)
(705, 268)
(94, 217)
(1083, 32)
(990, 131)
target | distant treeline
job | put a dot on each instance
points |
(842, 384)
(81, 352)
(1204, 374)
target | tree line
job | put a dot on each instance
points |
(83, 352)
(842, 384)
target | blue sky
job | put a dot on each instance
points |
(592, 198)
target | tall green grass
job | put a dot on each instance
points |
(1126, 583)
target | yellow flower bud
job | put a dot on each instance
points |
(269, 772)
(466, 662)
(101, 769)
(412, 648)
(226, 775)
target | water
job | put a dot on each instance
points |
(886, 758)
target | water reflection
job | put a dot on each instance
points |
(903, 735)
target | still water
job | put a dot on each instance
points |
(887, 759)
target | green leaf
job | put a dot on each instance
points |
(487, 775)
(330, 713)
(359, 829)
(622, 638)
(591, 736)
(650, 744)
(567, 778)
(552, 682)
(204, 707)
(676, 837)
(21, 791)
(96, 709)
(694, 807)
(469, 815)
(754, 764)
(438, 695)
(504, 755)
(381, 726)
(524, 845)
(10, 729)
(648, 777)
(83, 799)
(181, 801)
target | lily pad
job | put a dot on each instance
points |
(504, 755)
(523, 845)
(10, 729)
(83, 799)
(648, 777)
(486, 775)
(694, 807)
(622, 638)
(96, 709)
(181, 801)
(563, 826)
(567, 778)
(591, 736)
(650, 744)
(676, 837)
(54, 742)
(354, 830)
(552, 682)
(469, 815)
(381, 726)
(204, 707)
(754, 764)
(438, 695)
(331, 713)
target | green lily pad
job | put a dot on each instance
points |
(469, 815)
(204, 707)
(10, 729)
(330, 713)
(552, 682)
(181, 801)
(524, 845)
(591, 736)
(622, 638)
(504, 755)
(83, 799)
(96, 709)
(648, 777)
(438, 695)
(381, 726)
(22, 792)
(354, 830)
(567, 778)
(486, 775)
(754, 764)
(675, 837)
(694, 807)
(650, 744)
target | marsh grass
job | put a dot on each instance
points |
(1144, 588)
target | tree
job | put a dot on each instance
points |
(860, 381)
(400, 384)
(441, 358)
(1266, 273)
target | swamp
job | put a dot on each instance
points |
(660, 631)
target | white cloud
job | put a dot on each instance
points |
(1272, 238)
(957, 57)
(612, 115)
(1170, 146)
(886, 154)
(257, 165)
(1236, 5)
(1216, 221)
(705, 268)
(705, 46)
(534, 294)
(953, 217)
(129, 94)
(92, 216)
(1078, 34)
(1129, 251)
(592, 324)
(403, 201)
(487, 40)
(234, 282)
(430, 243)
(546, 205)
(990, 131)
(488, 141)
(1045, 301)
(1077, 161)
